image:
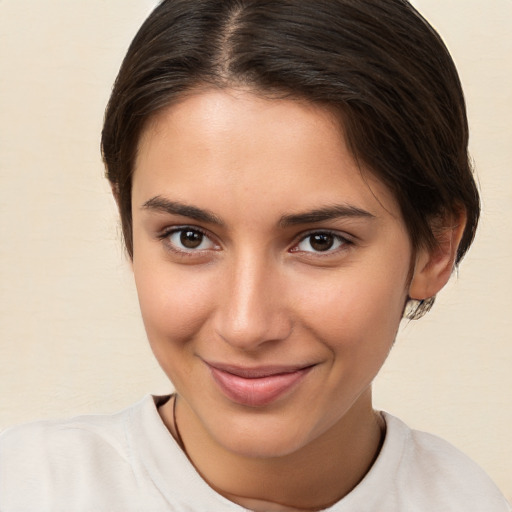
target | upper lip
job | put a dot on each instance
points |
(257, 372)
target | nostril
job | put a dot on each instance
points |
(250, 331)
(252, 308)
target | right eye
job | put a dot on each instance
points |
(188, 240)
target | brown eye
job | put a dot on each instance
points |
(321, 241)
(191, 239)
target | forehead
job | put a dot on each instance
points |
(255, 151)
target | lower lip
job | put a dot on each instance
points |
(259, 391)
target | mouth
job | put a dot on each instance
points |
(258, 386)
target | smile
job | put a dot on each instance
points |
(256, 387)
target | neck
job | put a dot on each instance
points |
(312, 478)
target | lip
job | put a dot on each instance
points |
(256, 386)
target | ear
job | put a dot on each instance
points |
(434, 267)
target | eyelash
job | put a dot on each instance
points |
(165, 236)
(343, 241)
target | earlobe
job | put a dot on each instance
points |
(434, 267)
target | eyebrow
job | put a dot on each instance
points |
(161, 204)
(323, 214)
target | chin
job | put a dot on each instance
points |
(261, 437)
(262, 447)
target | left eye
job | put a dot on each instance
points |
(188, 239)
(320, 242)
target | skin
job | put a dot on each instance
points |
(257, 291)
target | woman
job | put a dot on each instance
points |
(292, 179)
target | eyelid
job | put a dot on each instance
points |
(347, 241)
(165, 233)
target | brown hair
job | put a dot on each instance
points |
(376, 62)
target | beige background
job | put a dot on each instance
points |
(71, 337)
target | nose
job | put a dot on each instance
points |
(252, 310)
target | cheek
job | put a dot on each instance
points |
(356, 312)
(175, 302)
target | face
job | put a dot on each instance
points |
(271, 271)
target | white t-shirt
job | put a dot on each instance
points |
(129, 462)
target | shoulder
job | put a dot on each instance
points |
(433, 471)
(43, 441)
(51, 462)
